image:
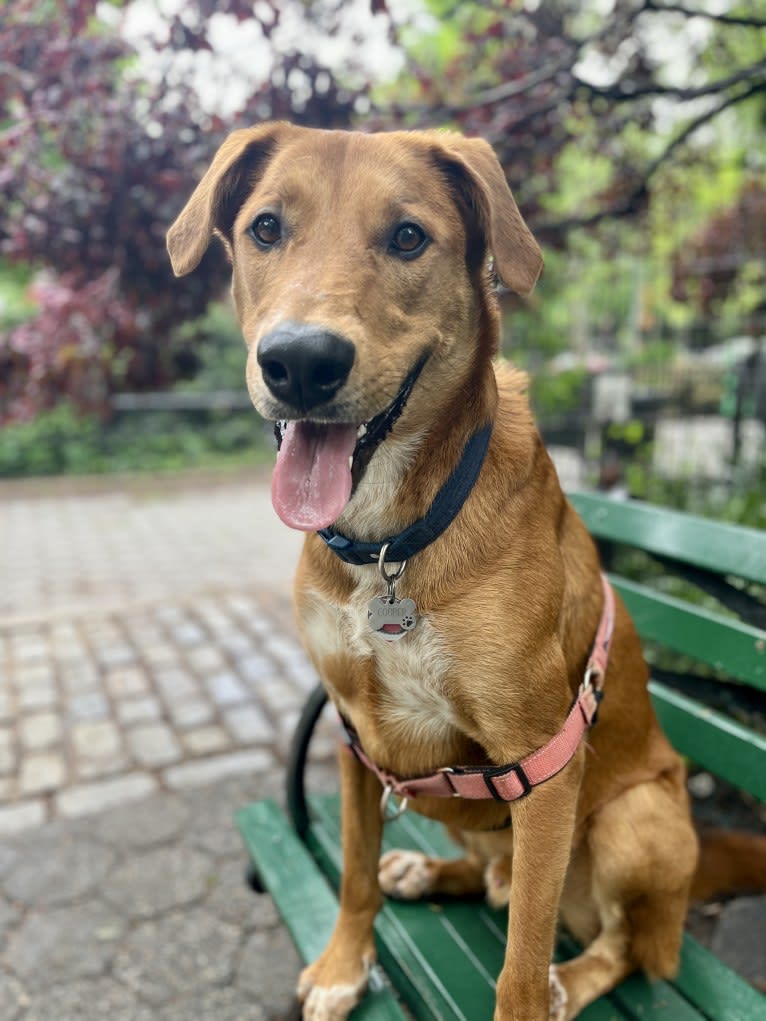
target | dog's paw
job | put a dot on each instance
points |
(497, 881)
(329, 1002)
(406, 875)
(558, 998)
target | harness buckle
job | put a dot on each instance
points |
(515, 768)
(591, 686)
(450, 770)
(398, 809)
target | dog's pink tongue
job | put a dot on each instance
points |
(311, 483)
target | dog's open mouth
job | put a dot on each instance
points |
(319, 464)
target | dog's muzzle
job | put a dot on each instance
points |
(320, 462)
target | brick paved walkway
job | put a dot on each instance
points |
(146, 641)
(68, 546)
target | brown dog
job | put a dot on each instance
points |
(360, 279)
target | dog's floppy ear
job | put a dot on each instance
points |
(475, 170)
(215, 201)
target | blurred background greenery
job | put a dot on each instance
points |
(632, 133)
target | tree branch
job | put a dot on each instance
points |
(698, 122)
(25, 78)
(520, 86)
(688, 12)
(567, 60)
(631, 202)
(614, 92)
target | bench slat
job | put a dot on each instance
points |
(728, 645)
(711, 545)
(712, 740)
(303, 896)
(716, 989)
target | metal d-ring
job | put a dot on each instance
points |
(399, 809)
(389, 577)
(593, 677)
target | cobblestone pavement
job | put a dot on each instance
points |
(150, 678)
(71, 546)
(142, 915)
(146, 641)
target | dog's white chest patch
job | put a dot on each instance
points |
(412, 672)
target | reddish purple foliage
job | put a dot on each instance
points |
(705, 269)
(96, 167)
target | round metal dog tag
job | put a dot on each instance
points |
(391, 618)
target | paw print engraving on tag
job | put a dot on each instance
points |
(391, 618)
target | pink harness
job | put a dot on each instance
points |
(509, 782)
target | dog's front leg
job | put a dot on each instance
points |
(543, 825)
(336, 981)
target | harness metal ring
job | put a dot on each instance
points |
(387, 576)
(593, 676)
(399, 809)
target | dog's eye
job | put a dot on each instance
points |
(409, 240)
(266, 230)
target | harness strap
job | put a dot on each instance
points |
(513, 781)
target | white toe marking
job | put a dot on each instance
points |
(333, 1003)
(558, 996)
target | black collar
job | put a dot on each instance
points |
(421, 533)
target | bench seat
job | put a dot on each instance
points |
(443, 956)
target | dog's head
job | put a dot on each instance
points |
(359, 274)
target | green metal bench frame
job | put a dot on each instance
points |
(439, 960)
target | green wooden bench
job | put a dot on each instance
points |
(702, 615)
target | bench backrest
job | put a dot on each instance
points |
(700, 608)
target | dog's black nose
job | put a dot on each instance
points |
(304, 365)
